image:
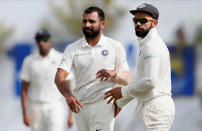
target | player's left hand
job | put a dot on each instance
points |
(114, 94)
(104, 74)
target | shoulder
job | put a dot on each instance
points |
(74, 46)
(30, 57)
(28, 60)
(155, 45)
(56, 53)
(114, 43)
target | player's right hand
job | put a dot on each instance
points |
(27, 120)
(74, 104)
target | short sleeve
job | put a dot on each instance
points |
(121, 61)
(25, 71)
(67, 60)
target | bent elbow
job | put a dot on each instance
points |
(151, 83)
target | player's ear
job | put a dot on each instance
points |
(102, 24)
(154, 23)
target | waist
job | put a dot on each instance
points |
(37, 101)
(94, 93)
(160, 99)
(153, 94)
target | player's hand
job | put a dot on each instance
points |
(117, 109)
(27, 120)
(104, 74)
(70, 121)
(74, 104)
(113, 94)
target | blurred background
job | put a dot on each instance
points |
(180, 26)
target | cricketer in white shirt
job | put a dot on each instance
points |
(98, 63)
(152, 86)
(45, 105)
(86, 61)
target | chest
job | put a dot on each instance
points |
(94, 57)
(43, 67)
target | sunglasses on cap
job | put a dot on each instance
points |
(43, 39)
(142, 20)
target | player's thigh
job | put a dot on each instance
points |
(103, 126)
(158, 117)
(36, 116)
(55, 117)
(81, 122)
(101, 117)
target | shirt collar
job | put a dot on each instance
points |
(147, 37)
(99, 44)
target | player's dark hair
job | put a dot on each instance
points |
(95, 9)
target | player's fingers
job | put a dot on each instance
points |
(115, 110)
(100, 72)
(101, 79)
(108, 92)
(114, 102)
(73, 106)
(79, 103)
(106, 78)
(110, 100)
(107, 96)
(99, 75)
(77, 108)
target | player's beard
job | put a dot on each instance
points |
(142, 33)
(91, 33)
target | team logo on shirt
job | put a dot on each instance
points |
(105, 52)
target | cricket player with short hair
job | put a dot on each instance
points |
(153, 85)
(98, 63)
(42, 103)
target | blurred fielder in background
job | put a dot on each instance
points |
(98, 63)
(153, 85)
(42, 104)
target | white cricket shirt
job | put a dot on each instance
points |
(153, 69)
(86, 61)
(40, 72)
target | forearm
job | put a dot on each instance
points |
(138, 89)
(123, 101)
(64, 87)
(122, 78)
(24, 101)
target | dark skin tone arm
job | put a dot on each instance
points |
(24, 101)
(64, 87)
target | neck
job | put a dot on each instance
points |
(44, 53)
(93, 41)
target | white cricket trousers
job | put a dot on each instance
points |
(97, 116)
(158, 114)
(47, 116)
